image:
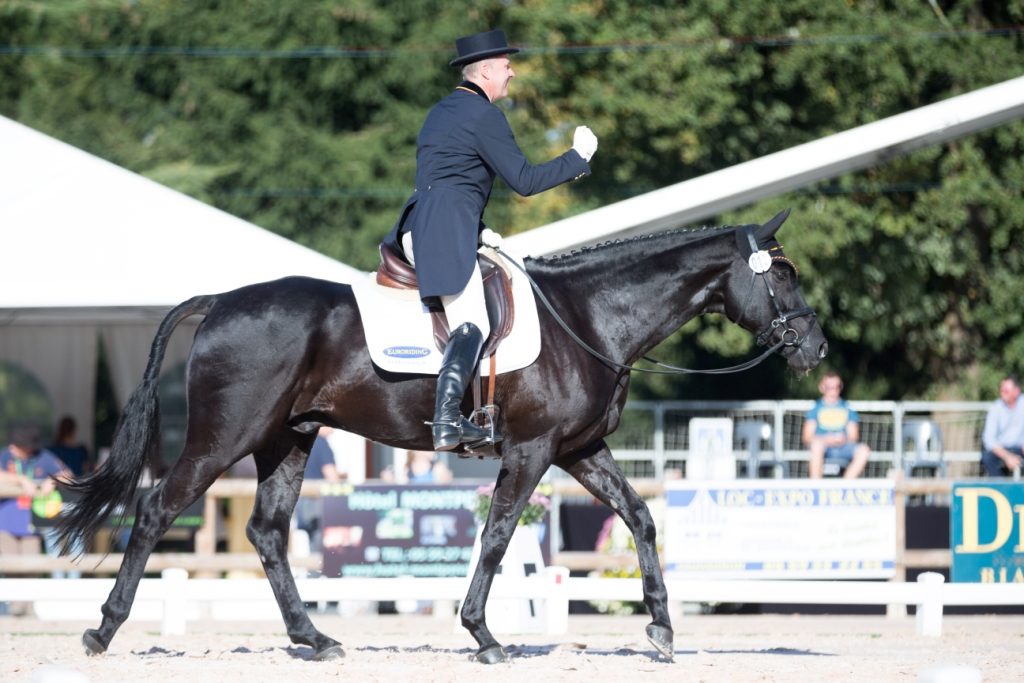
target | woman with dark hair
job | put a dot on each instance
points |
(68, 448)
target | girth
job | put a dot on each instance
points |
(395, 272)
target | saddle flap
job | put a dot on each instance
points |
(400, 339)
(501, 310)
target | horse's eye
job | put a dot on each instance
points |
(784, 272)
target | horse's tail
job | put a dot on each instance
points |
(113, 485)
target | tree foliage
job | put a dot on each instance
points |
(301, 116)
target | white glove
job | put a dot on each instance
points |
(585, 142)
(491, 239)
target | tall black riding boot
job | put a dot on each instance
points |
(460, 357)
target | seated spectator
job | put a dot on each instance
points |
(35, 471)
(831, 430)
(1003, 435)
(68, 448)
(421, 467)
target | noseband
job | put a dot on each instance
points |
(760, 262)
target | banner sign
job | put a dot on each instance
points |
(383, 530)
(781, 529)
(392, 530)
(711, 455)
(987, 533)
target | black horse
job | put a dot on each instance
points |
(272, 362)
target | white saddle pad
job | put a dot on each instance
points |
(400, 337)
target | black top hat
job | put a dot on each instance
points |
(481, 46)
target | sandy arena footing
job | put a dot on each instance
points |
(402, 649)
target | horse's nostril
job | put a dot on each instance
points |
(823, 350)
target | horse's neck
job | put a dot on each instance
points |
(639, 293)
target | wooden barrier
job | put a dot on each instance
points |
(197, 564)
(205, 562)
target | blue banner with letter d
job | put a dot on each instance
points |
(987, 534)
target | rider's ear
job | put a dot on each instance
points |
(768, 230)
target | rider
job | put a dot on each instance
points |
(464, 142)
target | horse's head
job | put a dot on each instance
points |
(763, 295)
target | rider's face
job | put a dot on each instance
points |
(501, 74)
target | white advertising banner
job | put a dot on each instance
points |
(781, 529)
(711, 455)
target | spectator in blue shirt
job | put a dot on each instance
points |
(35, 471)
(1003, 436)
(321, 465)
(832, 429)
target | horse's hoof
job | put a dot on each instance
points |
(328, 653)
(495, 654)
(93, 644)
(662, 639)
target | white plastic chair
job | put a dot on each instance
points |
(752, 434)
(926, 450)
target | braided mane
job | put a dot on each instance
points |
(676, 236)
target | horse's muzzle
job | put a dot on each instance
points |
(809, 352)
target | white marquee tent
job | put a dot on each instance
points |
(90, 250)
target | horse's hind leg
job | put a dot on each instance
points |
(518, 479)
(280, 468)
(595, 468)
(156, 510)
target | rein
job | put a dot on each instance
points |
(782, 320)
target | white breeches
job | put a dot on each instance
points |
(468, 306)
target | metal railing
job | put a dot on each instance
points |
(653, 436)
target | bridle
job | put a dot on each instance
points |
(757, 261)
(760, 262)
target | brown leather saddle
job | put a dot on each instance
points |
(395, 272)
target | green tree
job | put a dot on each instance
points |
(301, 116)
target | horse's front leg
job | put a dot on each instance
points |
(521, 472)
(596, 469)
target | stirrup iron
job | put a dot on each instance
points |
(486, 417)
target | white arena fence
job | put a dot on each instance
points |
(174, 599)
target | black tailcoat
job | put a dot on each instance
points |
(465, 141)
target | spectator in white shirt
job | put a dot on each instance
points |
(1004, 432)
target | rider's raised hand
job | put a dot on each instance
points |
(585, 142)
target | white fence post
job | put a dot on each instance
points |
(173, 622)
(556, 606)
(929, 610)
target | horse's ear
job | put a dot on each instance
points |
(768, 230)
